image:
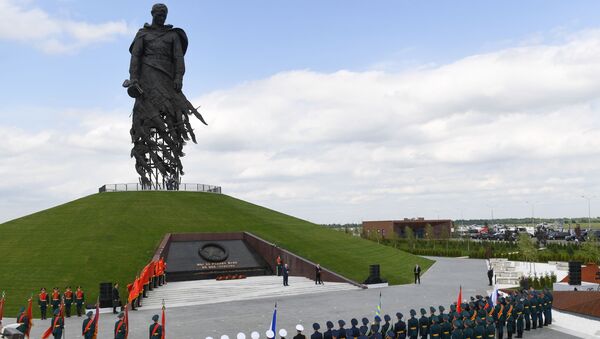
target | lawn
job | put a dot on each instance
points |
(108, 237)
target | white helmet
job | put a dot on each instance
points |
(282, 333)
(255, 335)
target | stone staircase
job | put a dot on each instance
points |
(200, 292)
(509, 272)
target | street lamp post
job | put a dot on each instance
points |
(589, 198)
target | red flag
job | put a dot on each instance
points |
(29, 317)
(48, 332)
(2, 306)
(163, 320)
(459, 302)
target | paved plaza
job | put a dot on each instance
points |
(439, 286)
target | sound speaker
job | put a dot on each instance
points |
(374, 275)
(574, 273)
(106, 294)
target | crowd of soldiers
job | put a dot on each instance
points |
(516, 313)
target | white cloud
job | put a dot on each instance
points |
(496, 129)
(31, 25)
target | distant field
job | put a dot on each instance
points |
(110, 236)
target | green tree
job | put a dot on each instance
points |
(429, 232)
(527, 249)
(590, 249)
(410, 236)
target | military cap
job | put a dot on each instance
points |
(89, 314)
(387, 317)
(354, 322)
(399, 315)
(432, 309)
(270, 334)
(329, 325)
(224, 336)
(299, 328)
(377, 318)
(341, 323)
(334, 333)
(478, 297)
(316, 326)
(441, 308)
(472, 298)
(365, 321)
(155, 317)
(282, 333)
(121, 315)
(254, 335)
(452, 307)
(423, 312)
(241, 336)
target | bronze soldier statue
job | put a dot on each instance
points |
(161, 123)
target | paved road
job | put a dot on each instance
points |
(439, 286)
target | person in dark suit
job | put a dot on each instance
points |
(490, 272)
(115, 298)
(318, 275)
(417, 272)
(286, 272)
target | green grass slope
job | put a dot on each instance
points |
(110, 236)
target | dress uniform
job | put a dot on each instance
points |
(88, 327)
(400, 327)
(341, 329)
(43, 301)
(412, 326)
(423, 324)
(435, 330)
(57, 324)
(327, 334)
(550, 300)
(468, 331)
(120, 327)
(446, 327)
(55, 299)
(511, 320)
(442, 309)
(23, 320)
(541, 309)
(527, 312)
(533, 310)
(68, 295)
(457, 332)
(490, 329)
(479, 331)
(79, 300)
(500, 317)
(316, 334)
(155, 330)
(519, 316)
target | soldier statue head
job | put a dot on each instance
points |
(159, 14)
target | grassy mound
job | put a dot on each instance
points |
(109, 236)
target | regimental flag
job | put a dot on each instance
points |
(29, 313)
(96, 320)
(273, 326)
(2, 305)
(163, 321)
(459, 302)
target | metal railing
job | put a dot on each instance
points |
(184, 187)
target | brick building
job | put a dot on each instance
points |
(386, 227)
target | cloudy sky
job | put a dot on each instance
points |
(336, 111)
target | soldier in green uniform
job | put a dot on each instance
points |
(510, 318)
(457, 332)
(441, 309)
(452, 312)
(68, 298)
(446, 327)
(468, 331)
(432, 311)
(541, 308)
(400, 327)
(533, 310)
(550, 300)
(423, 324)
(413, 325)
(481, 315)
(120, 327)
(490, 329)
(88, 327)
(155, 328)
(23, 321)
(519, 308)
(479, 331)
(500, 317)
(79, 300)
(435, 330)
(526, 311)
(57, 324)
(43, 301)
(55, 299)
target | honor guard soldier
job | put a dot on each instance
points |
(23, 321)
(327, 334)
(341, 330)
(550, 300)
(68, 295)
(55, 299)
(57, 324)
(316, 334)
(386, 326)
(155, 328)
(511, 320)
(519, 317)
(365, 325)
(412, 325)
(468, 331)
(400, 327)
(79, 300)
(526, 311)
(376, 327)
(43, 301)
(541, 309)
(442, 309)
(534, 311)
(88, 327)
(299, 335)
(120, 327)
(446, 327)
(500, 317)
(457, 332)
(490, 329)
(435, 330)
(355, 330)
(423, 324)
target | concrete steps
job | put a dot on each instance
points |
(200, 292)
